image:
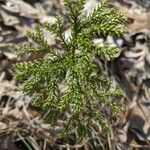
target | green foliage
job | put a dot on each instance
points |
(84, 83)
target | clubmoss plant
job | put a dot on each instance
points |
(85, 84)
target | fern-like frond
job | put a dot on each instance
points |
(84, 83)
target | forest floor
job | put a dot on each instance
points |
(20, 128)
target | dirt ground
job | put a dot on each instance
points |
(20, 126)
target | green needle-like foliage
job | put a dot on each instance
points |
(84, 83)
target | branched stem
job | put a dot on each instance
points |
(84, 83)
